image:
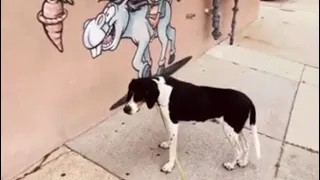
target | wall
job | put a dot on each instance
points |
(48, 96)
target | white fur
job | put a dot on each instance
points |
(172, 129)
(245, 151)
(256, 140)
(165, 144)
(164, 92)
(240, 145)
(233, 138)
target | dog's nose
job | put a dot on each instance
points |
(127, 109)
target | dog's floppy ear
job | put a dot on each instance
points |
(152, 94)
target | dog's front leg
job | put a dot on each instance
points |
(173, 134)
(172, 130)
(165, 144)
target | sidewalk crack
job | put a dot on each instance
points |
(39, 166)
(277, 165)
(95, 163)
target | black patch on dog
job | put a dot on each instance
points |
(189, 102)
(143, 90)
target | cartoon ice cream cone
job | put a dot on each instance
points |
(52, 16)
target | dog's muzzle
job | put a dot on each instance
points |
(130, 109)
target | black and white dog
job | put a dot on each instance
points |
(182, 101)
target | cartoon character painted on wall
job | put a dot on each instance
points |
(138, 20)
(51, 16)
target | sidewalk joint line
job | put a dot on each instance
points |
(266, 135)
(92, 161)
(302, 147)
(310, 84)
(277, 165)
(286, 142)
(311, 66)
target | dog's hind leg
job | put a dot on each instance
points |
(233, 138)
(243, 162)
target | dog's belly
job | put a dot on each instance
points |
(194, 114)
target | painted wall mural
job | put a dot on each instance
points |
(142, 21)
(51, 16)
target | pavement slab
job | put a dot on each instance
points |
(304, 125)
(298, 164)
(311, 76)
(288, 34)
(51, 156)
(273, 3)
(70, 166)
(310, 6)
(128, 146)
(258, 60)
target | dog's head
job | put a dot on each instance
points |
(140, 91)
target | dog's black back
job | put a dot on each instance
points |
(190, 102)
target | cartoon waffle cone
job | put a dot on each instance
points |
(52, 16)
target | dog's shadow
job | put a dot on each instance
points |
(167, 72)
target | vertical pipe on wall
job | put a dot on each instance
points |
(216, 19)
(235, 9)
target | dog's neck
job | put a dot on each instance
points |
(164, 92)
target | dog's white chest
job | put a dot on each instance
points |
(164, 94)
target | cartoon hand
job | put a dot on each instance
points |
(154, 22)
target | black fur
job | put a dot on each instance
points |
(189, 102)
(143, 90)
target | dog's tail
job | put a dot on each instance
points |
(254, 131)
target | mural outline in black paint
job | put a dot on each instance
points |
(123, 19)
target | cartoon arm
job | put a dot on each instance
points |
(155, 21)
(138, 62)
(160, 6)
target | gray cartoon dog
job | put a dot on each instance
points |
(141, 22)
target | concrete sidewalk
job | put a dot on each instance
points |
(275, 61)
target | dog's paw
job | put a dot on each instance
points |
(164, 145)
(167, 168)
(241, 163)
(228, 166)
